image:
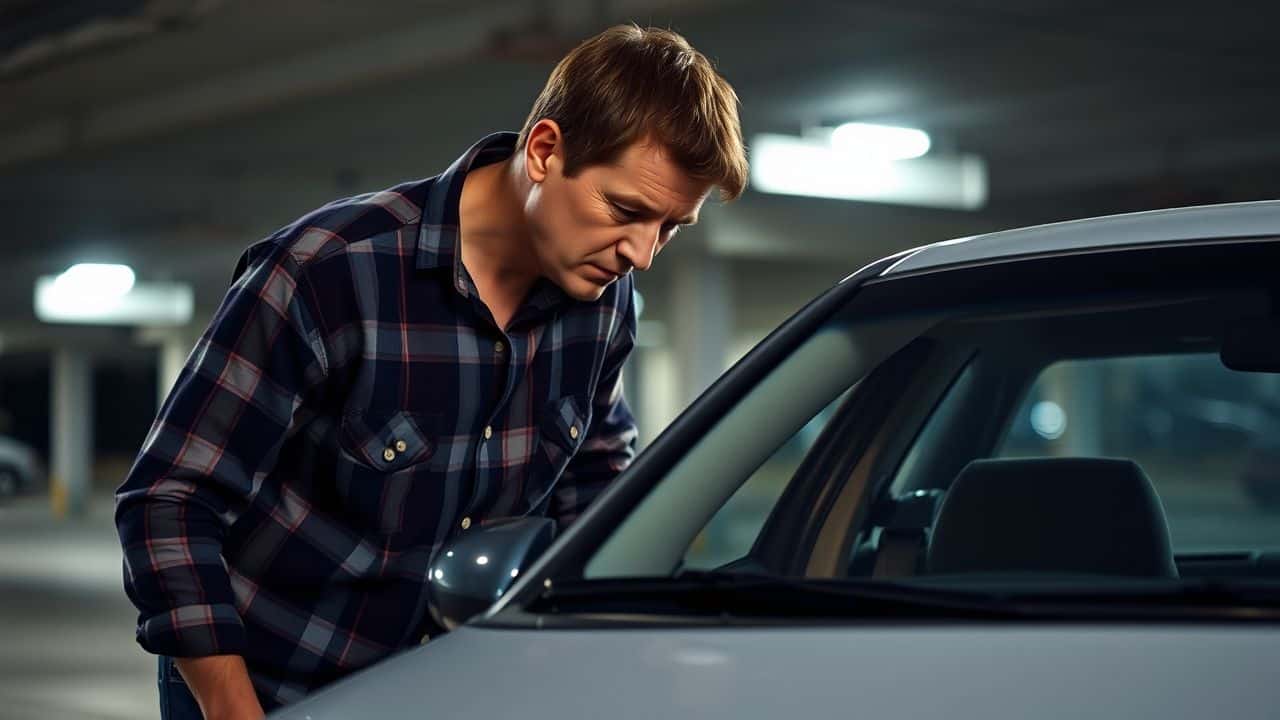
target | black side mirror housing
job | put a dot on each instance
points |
(477, 567)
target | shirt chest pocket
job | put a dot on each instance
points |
(383, 475)
(561, 432)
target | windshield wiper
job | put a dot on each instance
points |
(731, 595)
(737, 596)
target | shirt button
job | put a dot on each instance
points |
(498, 347)
(488, 431)
(466, 523)
(401, 446)
(389, 454)
(573, 431)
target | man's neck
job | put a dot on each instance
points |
(494, 237)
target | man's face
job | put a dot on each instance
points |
(591, 229)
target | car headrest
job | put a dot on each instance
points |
(1052, 515)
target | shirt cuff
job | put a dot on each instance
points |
(194, 631)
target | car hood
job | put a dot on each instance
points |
(940, 671)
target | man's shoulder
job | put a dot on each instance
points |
(334, 227)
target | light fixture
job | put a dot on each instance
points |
(95, 282)
(98, 293)
(884, 142)
(1049, 420)
(790, 165)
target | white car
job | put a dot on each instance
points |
(20, 468)
(949, 487)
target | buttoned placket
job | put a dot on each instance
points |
(536, 313)
(511, 360)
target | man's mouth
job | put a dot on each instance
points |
(602, 275)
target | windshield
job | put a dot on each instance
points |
(1053, 439)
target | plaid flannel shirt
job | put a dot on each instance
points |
(351, 407)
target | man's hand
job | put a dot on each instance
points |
(221, 686)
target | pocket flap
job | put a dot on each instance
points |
(390, 441)
(565, 423)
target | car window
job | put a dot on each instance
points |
(1208, 438)
(733, 529)
(935, 432)
(1012, 436)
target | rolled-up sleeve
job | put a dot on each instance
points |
(205, 458)
(610, 442)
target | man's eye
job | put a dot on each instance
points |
(624, 213)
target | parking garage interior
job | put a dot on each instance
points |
(165, 136)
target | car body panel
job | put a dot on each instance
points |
(1201, 223)
(881, 671)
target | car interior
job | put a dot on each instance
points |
(920, 383)
(949, 506)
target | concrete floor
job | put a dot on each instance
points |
(68, 651)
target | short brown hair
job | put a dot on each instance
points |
(629, 83)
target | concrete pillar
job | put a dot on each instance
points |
(173, 350)
(700, 318)
(71, 432)
(658, 402)
(173, 347)
(1080, 389)
(1087, 433)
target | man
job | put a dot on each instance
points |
(397, 368)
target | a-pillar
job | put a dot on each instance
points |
(71, 431)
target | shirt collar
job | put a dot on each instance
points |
(438, 231)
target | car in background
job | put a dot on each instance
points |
(21, 471)
(900, 547)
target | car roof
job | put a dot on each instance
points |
(1201, 223)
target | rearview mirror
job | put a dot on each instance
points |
(1252, 346)
(474, 570)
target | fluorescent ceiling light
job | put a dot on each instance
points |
(789, 165)
(881, 141)
(109, 294)
(95, 282)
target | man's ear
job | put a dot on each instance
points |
(543, 149)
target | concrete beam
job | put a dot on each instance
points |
(500, 27)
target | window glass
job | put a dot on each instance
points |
(1207, 436)
(733, 529)
(932, 436)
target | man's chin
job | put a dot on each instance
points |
(580, 288)
(587, 293)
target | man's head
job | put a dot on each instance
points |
(631, 133)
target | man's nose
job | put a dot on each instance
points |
(638, 248)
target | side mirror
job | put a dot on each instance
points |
(474, 570)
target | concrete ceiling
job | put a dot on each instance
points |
(174, 137)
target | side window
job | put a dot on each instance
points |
(731, 532)
(917, 469)
(1208, 437)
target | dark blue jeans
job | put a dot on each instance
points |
(176, 700)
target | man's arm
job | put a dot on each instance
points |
(204, 462)
(221, 686)
(610, 443)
